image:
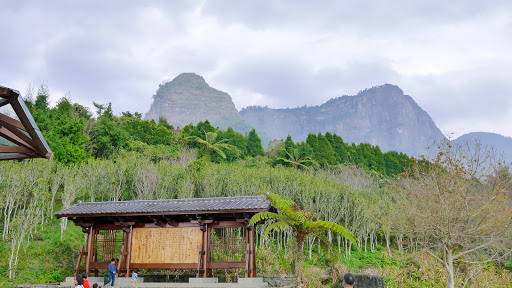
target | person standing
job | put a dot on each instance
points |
(111, 272)
(134, 278)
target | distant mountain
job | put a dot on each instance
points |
(382, 116)
(500, 143)
(189, 99)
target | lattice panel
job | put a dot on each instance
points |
(107, 245)
(228, 244)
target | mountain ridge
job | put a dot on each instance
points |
(379, 115)
(502, 144)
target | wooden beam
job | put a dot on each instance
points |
(226, 265)
(124, 223)
(14, 138)
(6, 120)
(163, 265)
(31, 127)
(199, 221)
(77, 269)
(14, 149)
(4, 102)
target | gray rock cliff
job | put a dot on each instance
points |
(382, 116)
(189, 99)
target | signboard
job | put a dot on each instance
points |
(166, 245)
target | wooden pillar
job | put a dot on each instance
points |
(247, 252)
(89, 251)
(253, 251)
(206, 245)
(129, 249)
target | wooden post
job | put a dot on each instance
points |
(253, 251)
(199, 261)
(247, 257)
(89, 251)
(128, 257)
(206, 245)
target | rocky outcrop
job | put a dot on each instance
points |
(189, 99)
(381, 115)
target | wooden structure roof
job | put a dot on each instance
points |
(20, 137)
(167, 206)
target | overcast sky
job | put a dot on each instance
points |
(453, 57)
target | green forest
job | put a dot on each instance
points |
(440, 221)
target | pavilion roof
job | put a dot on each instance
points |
(20, 137)
(167, 206)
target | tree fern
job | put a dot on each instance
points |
(291, 217)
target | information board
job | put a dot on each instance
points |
(166, 245)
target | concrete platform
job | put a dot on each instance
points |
(123, 282)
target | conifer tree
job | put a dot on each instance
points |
(288, 144)
(324, 154)
(339, 148)
(254, 147)
(312, 141)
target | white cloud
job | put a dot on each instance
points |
(452, 57)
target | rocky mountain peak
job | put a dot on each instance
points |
(189, 99)
(189, 80)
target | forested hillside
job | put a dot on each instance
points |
(387, 199)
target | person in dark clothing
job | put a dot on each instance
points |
(349, 280)
(111, 272)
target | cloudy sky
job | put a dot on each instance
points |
(453, 57)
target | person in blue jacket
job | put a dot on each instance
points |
(349, 280)
(111, 272)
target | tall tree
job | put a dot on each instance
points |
(324, 154)
(457, 205)
(254, 147)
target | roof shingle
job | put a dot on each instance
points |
(167, 205)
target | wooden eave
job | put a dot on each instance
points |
(98, 216)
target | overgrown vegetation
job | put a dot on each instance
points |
(111, 157)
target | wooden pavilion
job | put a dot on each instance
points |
(20, 137)
(199, 233)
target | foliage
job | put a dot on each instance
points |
(457, 206)
(254, 147)
(111, 157)
(291, 217)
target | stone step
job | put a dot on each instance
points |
(193, 283)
